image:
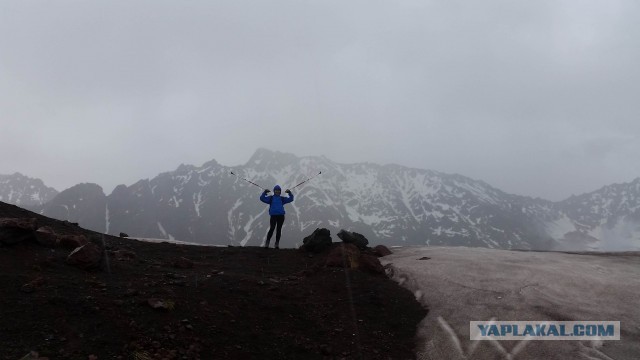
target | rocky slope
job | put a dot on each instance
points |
(169, 301)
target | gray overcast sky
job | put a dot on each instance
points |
(537, 98)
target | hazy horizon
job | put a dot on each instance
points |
(109, 189)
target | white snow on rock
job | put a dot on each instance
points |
(558, 228)
(460, 285)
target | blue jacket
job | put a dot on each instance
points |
(276, 202)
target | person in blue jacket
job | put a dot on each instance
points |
(276, 210)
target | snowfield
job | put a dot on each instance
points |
(460, 285)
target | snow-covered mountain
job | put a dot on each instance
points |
(606, 219)
(389, 204)
(24, 191)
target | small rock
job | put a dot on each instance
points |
(88, 256)
(161, 304)
(424, 258)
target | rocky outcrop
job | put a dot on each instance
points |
(354, 238)
(318, 241)
(16, 230)
(85, 255)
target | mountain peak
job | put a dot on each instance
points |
(24, 191)
(263, 158)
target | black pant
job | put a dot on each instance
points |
(276, 222)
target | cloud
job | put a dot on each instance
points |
(503, 91)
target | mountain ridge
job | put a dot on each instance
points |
(395, 204)
(25, 191)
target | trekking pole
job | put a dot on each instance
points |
(250, 182)
(306, 180)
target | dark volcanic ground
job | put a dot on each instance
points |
(234, 303)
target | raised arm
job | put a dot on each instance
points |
(286, 200)
(264, 198)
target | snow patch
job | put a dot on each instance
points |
(197, 202)
(501, 282)
(248, 228)
(107, 220)
(232, 228)
(558, 228)
(164, 233)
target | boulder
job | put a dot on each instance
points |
(124, 235)
(381, 250)
(15, 230)
(45, 236)
(87, 256)
(318, 241)
(344, 255)
(354, 238)
(371, 264)
(72, 241)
